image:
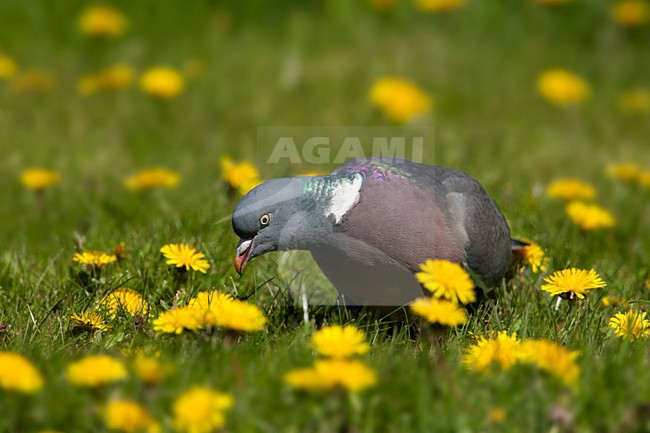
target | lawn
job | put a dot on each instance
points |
(247, 66)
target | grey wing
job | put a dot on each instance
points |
(416, 212)
(405, 220)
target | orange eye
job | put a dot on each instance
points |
(265, 220)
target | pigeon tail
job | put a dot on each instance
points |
(516, 244)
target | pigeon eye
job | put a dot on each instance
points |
(265, 220)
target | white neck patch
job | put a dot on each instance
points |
(344, 197)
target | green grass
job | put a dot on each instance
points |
(479, 65)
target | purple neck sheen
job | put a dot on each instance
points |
(379, 172)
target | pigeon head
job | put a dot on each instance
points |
(279, 215)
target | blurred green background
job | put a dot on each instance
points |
(312, 63)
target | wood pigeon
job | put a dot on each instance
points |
(372, 222)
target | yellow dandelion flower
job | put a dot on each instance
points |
(152, 178)
(308, 379)
(95, 259)
(209, 300)
(129, 417)
(350, 374)
(124, 299)
(571, 189)
(439, 311)
(112, 79)
(207, 305)
(100, 20)
(613, 301)
(7, 67)
(644, 178)
(149, 369)
(626, 171)
(200, 410)
(18, 374)
(95, 370)
(502, 350)
(573, 282)
(38, 179)
(447, 280)
(239, 316)
(177, 320)
(399, 100)
(553, 358)
(89, 320)
(439, 5)
(496, 415)
(532, 256)
(631, 325)
(116, 77)
(162, 82)
(562, 87)
(242, 176)
(590, 216)
(339, 341)
(185, 255)
(634, 101)
(630, 13)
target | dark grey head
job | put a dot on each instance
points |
(281, 214)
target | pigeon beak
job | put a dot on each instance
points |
(244, 250)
